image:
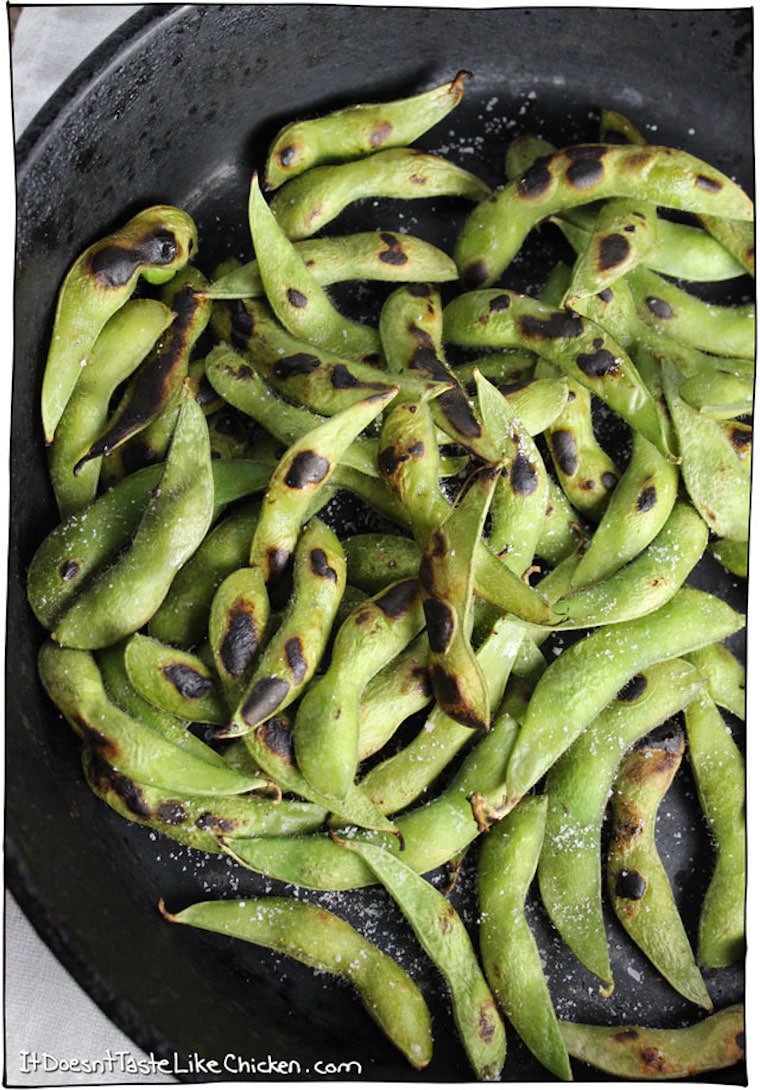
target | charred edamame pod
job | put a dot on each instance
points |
(175, 681)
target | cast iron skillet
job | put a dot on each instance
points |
(178, 107)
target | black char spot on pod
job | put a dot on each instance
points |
(287, 154)
(710, 185)
(398, 599)
(241, 325)
(609, 481)
(599, 363)
(380, 134)
(112, 265)
(647, 498)
(394, 253)
(307, 468)
(659, 308)
(187, 681)
(441, 624)
(320, 565)
(630, 885)
(475, 274)
(633, 689)
(523, 476)
(586, 169)
(240, 642)
(300, 363)
(127, 790)
(557, 325)
(171, 813)
(277, 735)
(613, 251)
(264, 699)
(535, 181)
(294, 655)
(499, 303)
(565, 450)
(449, 694)
(69, 570)
(456, 409)
(297, 298)
(208, 822)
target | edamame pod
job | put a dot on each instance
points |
(720, 775)
(237, 625)
(576, 175)
(577, 791)
(123, 343)
(293, 652)
(125, 596)
(175, 681)
(638, 885)
(358, 130)
(386, 256)
(303, 470)
(725, 677)
(606, 659)
(328, 944)
(373, 560)
(443, 936)
(641, 1052)
(511, 959)
(624, 232)
(395, 693)
(308, 203)
(154, 244)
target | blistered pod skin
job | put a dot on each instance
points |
(124, 597)
(198, 820)
(74, 683)
(606, 659)
(298, 300)
(636, 512)
(125, 340)
(447, 577)
(292, 654)
(385, 256)
(577, 790)
(359, 130)
(720, 775)
(400, 779)
(237, 626)
(308, 203)
(411, 329)
(156, 385)
(577, 175)
(506, 864)
(328, 944)
(269, 747)
(326, 732)
(641, 1052)
(638, 885)
(579, 347)
(723, 330)
(155, 244)
(714, 463)
(303, 470)
(174, 681)
(444, 938)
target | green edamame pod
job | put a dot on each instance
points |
(386, 256)
(298, 300)
(293, 652)
(719, 773)
(326, 732)
(719, 394)
(373, 560)
(444, 938)
(736, 236)
(583, 350)
(636, 512)
(638, 885)
(725, 677)
(154, 244)
(400, 779)
(497, 227)
(303, 470)
(577, 790)
(732, 555)
(328, 944)
(395, 693)
(123, 343)
(624, 232)
(308, 203)
(198, 820)
(645, 583)
(182, 618)
(606, 659)
(641, 1052)
(511, 960)
(74, 683)
(714, 467)
(562, 529)
(237, 625)
(125, 596)
(723, 330)
(175, 681)
(358, 130)
(447, 578)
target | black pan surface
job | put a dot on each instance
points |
(179, 106)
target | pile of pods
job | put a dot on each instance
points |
(371, 704)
